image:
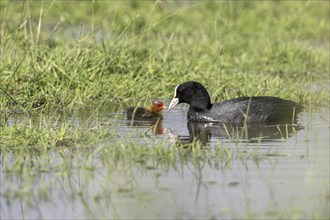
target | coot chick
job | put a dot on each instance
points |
(260, 109)
(153, 112)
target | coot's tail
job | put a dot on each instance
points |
(286, 111)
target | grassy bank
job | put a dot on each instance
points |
(58, 56)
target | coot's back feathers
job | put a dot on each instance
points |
(261, 109)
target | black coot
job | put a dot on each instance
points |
(260, 109)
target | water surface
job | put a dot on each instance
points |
(270, 172)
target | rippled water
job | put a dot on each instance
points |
(289, 177)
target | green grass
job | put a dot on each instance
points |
(87, 52)
(58, 57)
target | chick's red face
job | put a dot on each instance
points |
(158, 105)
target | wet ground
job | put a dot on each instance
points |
(271, 172)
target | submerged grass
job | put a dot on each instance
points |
(111, 167)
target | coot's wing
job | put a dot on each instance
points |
(231, 111)
(262, 109)
(274, 109)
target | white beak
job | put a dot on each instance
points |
(173, 103)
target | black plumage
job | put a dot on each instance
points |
(260, 109)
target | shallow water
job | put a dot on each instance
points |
(273, 172)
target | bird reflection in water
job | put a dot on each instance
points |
(204, 131)
(155, 126)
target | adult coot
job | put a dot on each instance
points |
(260, 109)
(152, 112)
